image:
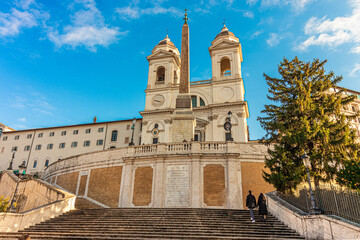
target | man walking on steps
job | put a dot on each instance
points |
(251, 204)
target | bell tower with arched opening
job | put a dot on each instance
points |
(226, 56)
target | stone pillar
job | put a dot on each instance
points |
(183, 119)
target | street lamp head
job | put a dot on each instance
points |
(22, 166)
(229, 113)
(134, 120)
(306, 160)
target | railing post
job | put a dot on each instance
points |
(161, 148)
(336, 204)
(195, 148)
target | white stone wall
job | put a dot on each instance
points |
(123, 128)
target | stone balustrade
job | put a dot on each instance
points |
(247, 150)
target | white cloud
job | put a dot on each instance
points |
(274, 39)
(325, 32)
(256, 34)
(88, 29)
(23, 119)
(26, 15)
(251, 2)
(134, 12)
(248, 14)
(355, 70)
(30, 100)
(296, 5)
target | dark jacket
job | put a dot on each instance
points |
(250, 201)
(262, 206)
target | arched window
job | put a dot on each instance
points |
(114, 136)
(47, 162)
(202, 102)
(112, 147)
(225, 67)
(160, 75)
(35, 164)
(175, 78)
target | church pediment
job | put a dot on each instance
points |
(162, 54)
(224, 44)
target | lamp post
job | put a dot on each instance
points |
(12, 159)
(314, 210)
(21, 171)
(132, 136)
(228, 126)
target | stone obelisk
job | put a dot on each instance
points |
(183, 119)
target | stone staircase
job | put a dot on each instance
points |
(157, 223)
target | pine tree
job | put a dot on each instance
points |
(306, 116)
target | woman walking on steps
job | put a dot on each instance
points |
(262, 206)
(251, 204)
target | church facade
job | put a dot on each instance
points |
(211, 99)
(195, 150)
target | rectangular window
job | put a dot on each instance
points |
(38, 147)
(99, 142)
(29, 136)
(228, 137)
(52, 134)
(139, 140)
(155, 140)
(127, 140)
(17, 137)
(40, 135)
(62, 145)
(86, 143)
(5, 138)
(50, 146)
(63, 133)
(140, 126)
(127, 127)
(14, 149)
(27, 148)
(75, 132)
(194, 101)
(74, 144)
(88, 130)
(100, 130)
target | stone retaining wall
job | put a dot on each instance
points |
(312, 226)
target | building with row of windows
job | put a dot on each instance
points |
(37, 148)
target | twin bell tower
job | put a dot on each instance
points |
(177, 110)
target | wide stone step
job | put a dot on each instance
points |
(180, 235)
(162, 229)
(139, 237)
(154, 223)
(252, 226)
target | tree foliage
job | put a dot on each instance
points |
(4, 204)
(349, 175)
(306, 116)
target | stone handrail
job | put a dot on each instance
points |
(248, 150)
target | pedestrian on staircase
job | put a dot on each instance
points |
(262, 207)
(251, 204)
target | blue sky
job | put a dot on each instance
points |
(65, 61)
